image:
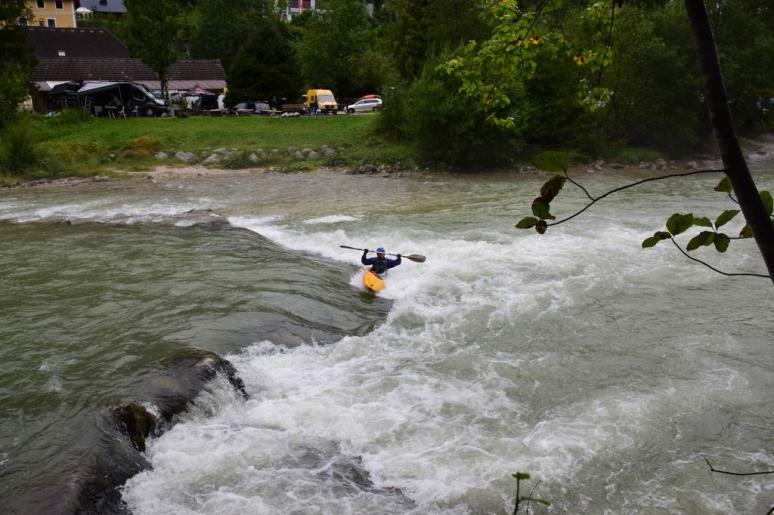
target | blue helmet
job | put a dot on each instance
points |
(380, 250)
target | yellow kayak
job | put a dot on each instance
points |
(371, 281)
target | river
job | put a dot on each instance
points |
(606, 371)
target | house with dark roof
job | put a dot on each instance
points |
(93, 54)
(83, 43)
(114, 7)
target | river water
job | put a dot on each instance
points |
(605, 371)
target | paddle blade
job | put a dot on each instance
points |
(416, 257)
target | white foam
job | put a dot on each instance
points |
(102, 210)
(332, 219)
(453, 392)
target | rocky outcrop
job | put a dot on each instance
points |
(135, 421)
(185, 157)
(171, 392)
(184, 378)
(90, 481)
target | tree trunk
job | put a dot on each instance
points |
(733, 159)
(163, 78)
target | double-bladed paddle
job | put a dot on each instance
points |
(413, 257)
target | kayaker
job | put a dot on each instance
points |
(380, 263)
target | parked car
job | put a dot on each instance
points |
(209, 103)
(112, 99)
(365, 105)
(323, 100)
(243, 108)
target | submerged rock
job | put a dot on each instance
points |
(134, 421)
(185, 377)
(201, 217)
(89, 481)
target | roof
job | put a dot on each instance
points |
(197, 69)
(87, 43)
(183, 74)
(104, 6)
(92, 69)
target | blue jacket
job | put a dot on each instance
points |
(379, 265)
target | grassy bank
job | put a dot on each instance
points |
(71, 145)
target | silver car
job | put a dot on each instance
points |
(365, 105)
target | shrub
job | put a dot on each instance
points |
(19, 153)
(70, 116)
(237, 160)
(449, 127)
(141, 147)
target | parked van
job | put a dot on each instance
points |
(324, 100)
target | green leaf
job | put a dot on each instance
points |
(679, 223)
(552, 161)
(768, 202)
(702, 221)
(746, 232)
(724, 185)
(721, 242)
(540, 208)
(700, 240)
(527, 223)
(657, 237)
(726, 217)
(541, 227)
(552, 187)
(521, 476)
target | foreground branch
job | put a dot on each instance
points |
(713, 469)
(594, 200)
(718, 271)
(716, 99)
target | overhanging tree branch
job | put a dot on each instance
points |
(718, 271)
(713, 469)
(733, 160)
(594, 200)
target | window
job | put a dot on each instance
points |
(59, 4)
(42, 4)
(51, 23)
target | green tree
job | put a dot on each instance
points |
(332, 45)
(265, 66)
(756, 206)
(222, 26)
(450, 127)
(154, 29)
(421, 28)
(655, 80)
(747, 62)
(16, 59)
